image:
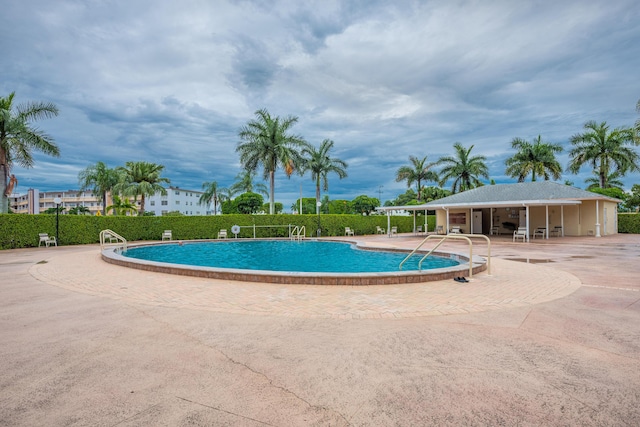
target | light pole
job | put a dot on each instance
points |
(318, 204)
(57, 201)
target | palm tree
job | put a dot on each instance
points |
(606, 151)
(121, 206)
(266, 141)
(463, 169)
(537, 159)
(244, 184)
(320, 164)
(612, 181)
(141, 179)
(79, 210)
(18, 139)
(417, 172)
(100, 179)
(211, 194)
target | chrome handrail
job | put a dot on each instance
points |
(465, 237)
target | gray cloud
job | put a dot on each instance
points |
(173, 82)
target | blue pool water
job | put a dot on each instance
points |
(284, 255)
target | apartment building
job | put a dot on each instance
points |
(177, 199)
(35, 201)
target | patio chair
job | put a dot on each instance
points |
(439, 229)
(419, 230)
(455, 230)
(495, 230)
(166, 235)
(379, 230)
(394, 230)
(47, 240)
(348, 231)
(540, 231)
(557, 230)
(222, 234)
(521, 232)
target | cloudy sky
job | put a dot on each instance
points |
(172, 82)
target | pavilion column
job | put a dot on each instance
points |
(547, 221)
(389, 223)
(597, 219)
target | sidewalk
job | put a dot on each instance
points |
(552, 337)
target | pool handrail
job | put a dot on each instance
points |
(445, 237)
(111, 235)
(298, 233)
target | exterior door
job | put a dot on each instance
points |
(477, 222)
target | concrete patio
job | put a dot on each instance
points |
(551, 337)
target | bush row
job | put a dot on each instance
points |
(21, 231)
(629, 223)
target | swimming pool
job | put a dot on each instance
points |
(278, 255)
(285, 261)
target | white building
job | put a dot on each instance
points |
(35, 201)
(177, 199)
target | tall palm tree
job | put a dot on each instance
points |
(211, 194)
(244, 184)
(417, 172)
(141, 179)
(18, 138)
(100, 179)
(266, 141)
(464, 169)
(606, 151)
(612, 181)
(321, 164)
(537, 159)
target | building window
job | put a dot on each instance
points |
(164, 203)
(177, 202)
(177, 193)
(152, 203)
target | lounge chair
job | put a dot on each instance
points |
(348, 231)
(47, 240)
(222, 234)
(379, 230)
(166, 235)
(455, 230)
(521, 232)
(540, 231)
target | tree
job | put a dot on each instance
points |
(463, 169)
(212, 193)
(99, 179)
(60, 209)
(244, 184)
(279, 207)
(417, 172)
(122, 206)
(266, 142)
(320, 164)
(633, 200)
(612, 181)
(637, 126)
(606, 151)
(141, 179)
(434, 193)
(18, 138)
(537, 159)
(248, 203)
(79, 210)
(364, 204)
(308, 205)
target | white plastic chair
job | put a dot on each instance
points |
(47, 240)
(521, 232)
(167, 235)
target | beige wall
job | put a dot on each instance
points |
(579, 220)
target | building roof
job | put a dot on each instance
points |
(522, 193)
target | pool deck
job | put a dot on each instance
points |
(550, 337)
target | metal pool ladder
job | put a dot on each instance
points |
(466, 237)
(108, 237)
(298, 233)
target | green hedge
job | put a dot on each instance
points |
(21, 231)
(629, 223)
